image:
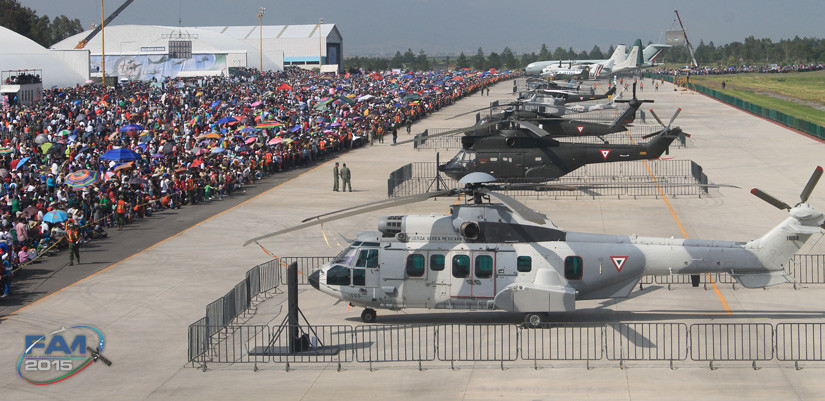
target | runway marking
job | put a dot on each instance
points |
(684, 233)
(162, 241)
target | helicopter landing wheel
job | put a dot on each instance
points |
(535, 319)
(368, 315)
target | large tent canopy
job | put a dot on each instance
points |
(19, 53)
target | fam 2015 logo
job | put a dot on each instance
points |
(54, 357)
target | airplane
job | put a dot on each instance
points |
(526, 152)
(536, 67)
(604, 66)
(506, 256)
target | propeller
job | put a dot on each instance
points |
(667, 127)
(803, 196)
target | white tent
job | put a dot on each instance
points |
(20, 53)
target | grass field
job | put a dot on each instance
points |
(801, 95)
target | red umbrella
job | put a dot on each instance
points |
(284, 87)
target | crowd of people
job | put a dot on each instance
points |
(90, 157)
(737, 69)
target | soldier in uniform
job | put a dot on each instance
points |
(345, 176)
(335, 176)
(73, 237)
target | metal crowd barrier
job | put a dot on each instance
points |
(589, 341)
(562, 341)
(306, 265)
(477, 342)
(646, 341)
(419, 177)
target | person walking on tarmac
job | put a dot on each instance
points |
(120, 210)
(345, 176)
(335, 175)
(73, 238)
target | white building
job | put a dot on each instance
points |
(302, 45)
(143, 52)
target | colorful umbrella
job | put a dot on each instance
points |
(226, 120)
(276, 140)
(5, 151)
(120, 154)
(131, 127)
(211, 135)
(81, 179)
(269, 125)
(55, 216)
(218, 150)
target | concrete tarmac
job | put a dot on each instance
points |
(145, 303)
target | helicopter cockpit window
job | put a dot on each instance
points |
(484, 266)
(367, 258)
(415, 265)
(338, 275)
(461, 266)
(464, 158)
(573, 267)
(524, 264)
(437, 262)
(347, 255)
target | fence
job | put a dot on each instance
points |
(799, 124)
(591, 341)
(419, 177)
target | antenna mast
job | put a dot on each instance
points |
(687, 42)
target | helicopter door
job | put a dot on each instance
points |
(484, 277)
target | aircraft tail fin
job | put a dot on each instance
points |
(779, 244)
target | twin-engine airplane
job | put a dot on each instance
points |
(506, 256)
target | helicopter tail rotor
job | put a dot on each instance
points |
(803, 196)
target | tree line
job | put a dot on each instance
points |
(41, 29)
(750, 52)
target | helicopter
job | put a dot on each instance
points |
(506, 256)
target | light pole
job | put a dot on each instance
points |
(261, 31)
(320, 44)
(102, 45)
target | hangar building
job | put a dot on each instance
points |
(302, 45)
(143, 52)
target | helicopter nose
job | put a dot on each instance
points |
(313, 279)
(442, 167)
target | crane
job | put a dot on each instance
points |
(687, 42)
(94, 32)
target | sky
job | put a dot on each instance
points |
(382, 27)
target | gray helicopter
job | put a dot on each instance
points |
(506, 256)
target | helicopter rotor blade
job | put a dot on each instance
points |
(482, 109)
(770, 199)
(657, 118)
(679, 110)
(451, 132)
(353, 211)
(516, 206)
(809, 187)
(532, 128)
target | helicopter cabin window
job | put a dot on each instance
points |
(484, 266)
(524, 264)
(538, 158)
(367, 258)
(338, 275)
(415, 265)
(436, 262)
(461, 266)
(573, 268)
(359, 277)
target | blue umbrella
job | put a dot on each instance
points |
(120, 154)
(247, 129)
(21, 163)
(214, 104)
(218, 150)
(131, 127)
(55, 216)
(226, 120)
(295, 128)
